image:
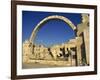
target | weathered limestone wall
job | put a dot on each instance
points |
(55, 50)
(40, 52)
(87, 45)
(78, 49)
(27, 50)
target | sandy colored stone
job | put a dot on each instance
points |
(54, 55)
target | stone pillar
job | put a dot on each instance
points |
(83, 28)
(78, 49)
(79, 56)
(73, 60)
(86, 42)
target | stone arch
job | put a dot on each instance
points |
(39, 25)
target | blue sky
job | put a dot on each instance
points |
(52, 32)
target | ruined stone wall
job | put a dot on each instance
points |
(40, 52)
